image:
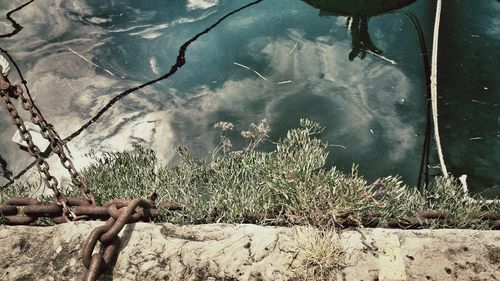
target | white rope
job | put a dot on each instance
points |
(468, 198)
(463, 178)
(5, 66)
(434, 91)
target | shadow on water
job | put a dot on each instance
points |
(180, 62)
(358, 14)
(6, 173)
(308, 43)
(17, 27)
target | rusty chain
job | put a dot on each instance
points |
(425, 219)
(48, 132)
(6, 92)
(25, 210)
(107, 235)
(117, 213)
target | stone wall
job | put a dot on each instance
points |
(250, 252)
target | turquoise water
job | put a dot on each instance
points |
(281, 60)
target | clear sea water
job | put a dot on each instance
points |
(281, 60)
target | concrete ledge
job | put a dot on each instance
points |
(250, 252)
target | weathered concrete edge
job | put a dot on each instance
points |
(251, 252)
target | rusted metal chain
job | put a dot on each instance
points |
(427, 218)
(49, 133)
(121, 213)
(12, 217)
(46, 130)
(487, 215)
(434, 214)
(6, 91)
(26, 210)
(99, 262)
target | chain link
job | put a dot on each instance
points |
(42, 165)
(121, 212)
(48, 132)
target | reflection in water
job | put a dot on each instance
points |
(6, 173)
(16, 27)
(182, 109)
(358, 13)
(179, 63)
(374, 108)
(361, 40)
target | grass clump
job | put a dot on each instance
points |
(289, 185)
(322, 254)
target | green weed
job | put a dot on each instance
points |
(287, 186)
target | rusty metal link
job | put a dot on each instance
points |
(111, 209)
(495, 224)
(121, 212)
(4, 85)
(8, 210)
(434, 214)
(371, 219)
(33, 149)
(49, 133)
(26, 210)
(22, 201)
(14, 218)
(408, 222)
(72, 202)
(487, 215)
(101, 261)
(427, 218)
(91, 212)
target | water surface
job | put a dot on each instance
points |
(281, 60)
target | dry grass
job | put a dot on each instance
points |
(287, 186)
(320, 253)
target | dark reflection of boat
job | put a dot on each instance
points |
(358, 13)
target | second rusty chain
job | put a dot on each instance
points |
(48, 133)
(42, 165)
